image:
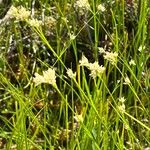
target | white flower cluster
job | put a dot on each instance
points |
(49, 22)
(71, 74)
(127, 81)
(132, 62)
(82, 6)
(20, 13)
(101, 50)
(95, 68)
(101, 8)
(35, 23)
(84, 61)
(141, 48)
(47, 77)
(109, 56)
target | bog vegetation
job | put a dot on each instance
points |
(75, 75)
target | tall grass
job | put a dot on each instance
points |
(109, 111)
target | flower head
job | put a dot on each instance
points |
(111, 57)
(101, 8)
(83, 4)
(127, 80)
(132, 62)
(79, 118)
(49, 22)
(71, 74)
(47, 77)
(20, 13)
(121, 108)
(72, 36)
(96, 69)
(35, 23)
(141, 48)
(12, 12)
(121, 105)
(84, 61)
(101, 50)
(38, 79)
(122, 99)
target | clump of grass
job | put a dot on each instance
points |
(75, 75)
